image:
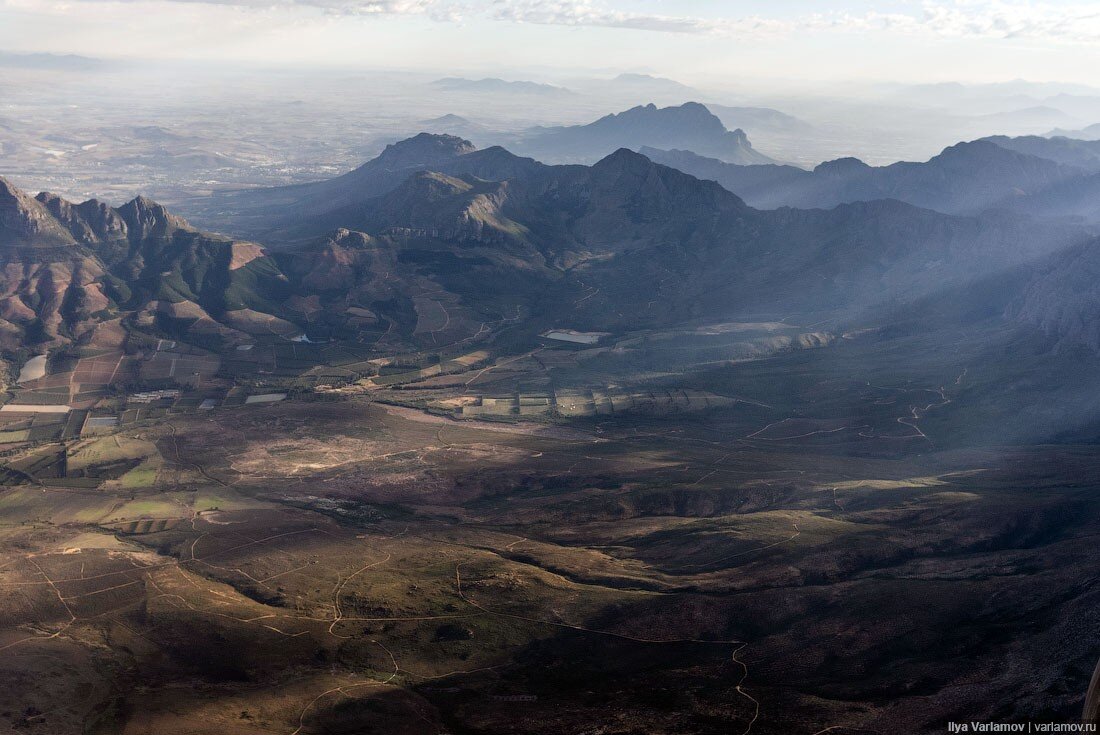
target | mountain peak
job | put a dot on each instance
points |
(449, 118)
(842, 167)
(626, 173)
(690, 126)
(988, 154)
(89, 222)
(145, 218)
(424, 148)
(497, 86)
(624, 159)
(689, 113)
(25, 222)
(983, 147)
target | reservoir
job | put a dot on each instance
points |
(34, 369)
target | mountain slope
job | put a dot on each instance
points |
(1063, 296)
(766, 186)
(1076, 199)
(1083, 154)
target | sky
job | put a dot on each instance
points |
(695, 41)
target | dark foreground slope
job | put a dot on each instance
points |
(816, 549)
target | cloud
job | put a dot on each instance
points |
(982, 19)
(1013, 20)
(586, 13)
(442, 11)
(988, 19)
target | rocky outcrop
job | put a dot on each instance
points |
(25, 222)
(146, 220)
(89, 222)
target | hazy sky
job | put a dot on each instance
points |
(692, 40)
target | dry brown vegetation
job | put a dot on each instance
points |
(354, 567)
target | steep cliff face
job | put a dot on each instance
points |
(25, 222)
(146, 221)
(89, 222)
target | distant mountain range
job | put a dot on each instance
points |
(493, 85)
(457, 125)
(262, 210)
(690, 126)
(1036, 174)
(1092, 132)
(53, 62)
(1082, 154)
(751, 119)
(643, 87)
(651, 84)
(618, 245)
(1036, 117)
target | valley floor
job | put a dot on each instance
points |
(820, 551)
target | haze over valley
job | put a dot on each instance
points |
(414, 378)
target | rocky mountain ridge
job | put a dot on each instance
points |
(624, 244)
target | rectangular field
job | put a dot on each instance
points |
(99, 370)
